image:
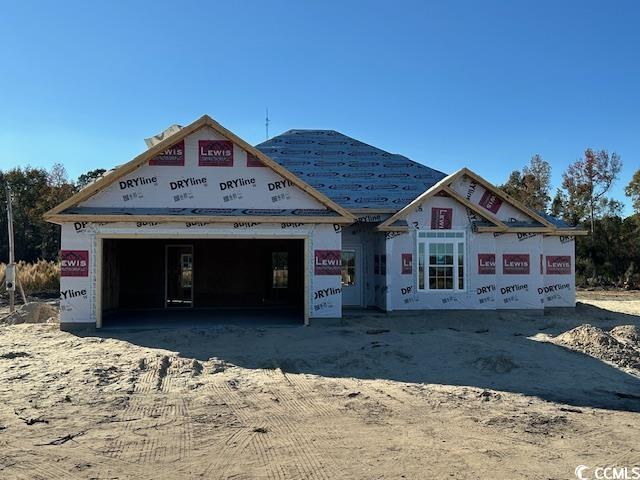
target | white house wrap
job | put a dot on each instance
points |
(308, 223)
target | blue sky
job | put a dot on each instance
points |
(449, 84)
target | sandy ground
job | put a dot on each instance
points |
(473, 395)
(617, 301)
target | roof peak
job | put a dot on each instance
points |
(352, 173)
(318, 131)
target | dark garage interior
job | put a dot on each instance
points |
(201, 278)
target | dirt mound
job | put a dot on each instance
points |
(627, 334)
(600, 344)
(32, 312)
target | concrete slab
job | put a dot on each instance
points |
(201, 318)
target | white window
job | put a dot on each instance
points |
(348, 267)
(441, 260)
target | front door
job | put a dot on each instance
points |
(179, 276)
(352, 276)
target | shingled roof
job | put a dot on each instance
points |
(351, 173)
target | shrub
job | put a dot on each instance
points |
(41, 276)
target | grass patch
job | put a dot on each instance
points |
(37, 277)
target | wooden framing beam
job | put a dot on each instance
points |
(62, 218)
(570, 232)
(515, 230)
(393, 229)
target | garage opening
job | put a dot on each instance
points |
(154, 280)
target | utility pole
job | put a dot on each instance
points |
(11, 274)
(266, 124)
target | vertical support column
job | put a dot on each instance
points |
(307, 278)
(98, 280)
(93, 273)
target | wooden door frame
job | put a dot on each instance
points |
(99, 239)
(166, 273)
(359, 249)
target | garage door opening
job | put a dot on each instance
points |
(170, 280)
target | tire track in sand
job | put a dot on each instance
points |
(282, 424)
(156, 427)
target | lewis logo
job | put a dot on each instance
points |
(490, 201)
(558, 265)
(515, 264)
(441, 218)
(486, 263)
(215, 153)
(74, 263)
(407, 264)
(327, 262)
(173, 156)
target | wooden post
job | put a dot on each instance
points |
(12, 260)
(24, 297)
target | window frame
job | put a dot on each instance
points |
(454, 237)
(279, 254)
(342, 266)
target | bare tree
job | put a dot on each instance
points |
(588, 179)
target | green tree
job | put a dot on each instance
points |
(86, 178)
(633, 190)
(609, 207)
(34, 191)
(532, 185)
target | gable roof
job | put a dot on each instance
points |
(204, 121)
(395, 221)
(540, 222)
(352, 173)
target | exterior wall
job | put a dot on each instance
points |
(527, 286)
(519, 290)
(559, 278)
(242, 185)
(326, 294)
(79, 294)
(402, 279)
(481, 289)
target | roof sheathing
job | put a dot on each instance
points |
(353, 174)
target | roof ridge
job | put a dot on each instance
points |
(351, 172)
(397, 155)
